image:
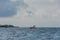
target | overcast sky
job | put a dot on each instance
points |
(42, 13)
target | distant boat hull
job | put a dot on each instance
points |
(33, 27)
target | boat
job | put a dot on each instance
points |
(33, 27)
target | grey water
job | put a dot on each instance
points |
(20, 33)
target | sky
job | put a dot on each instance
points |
(25, 13)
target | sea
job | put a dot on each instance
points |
(22, 33)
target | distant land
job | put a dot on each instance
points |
(7, 26)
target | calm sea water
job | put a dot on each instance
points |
(16, 33)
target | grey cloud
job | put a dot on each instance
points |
(8, 8)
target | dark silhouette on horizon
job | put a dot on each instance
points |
(6, 26)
